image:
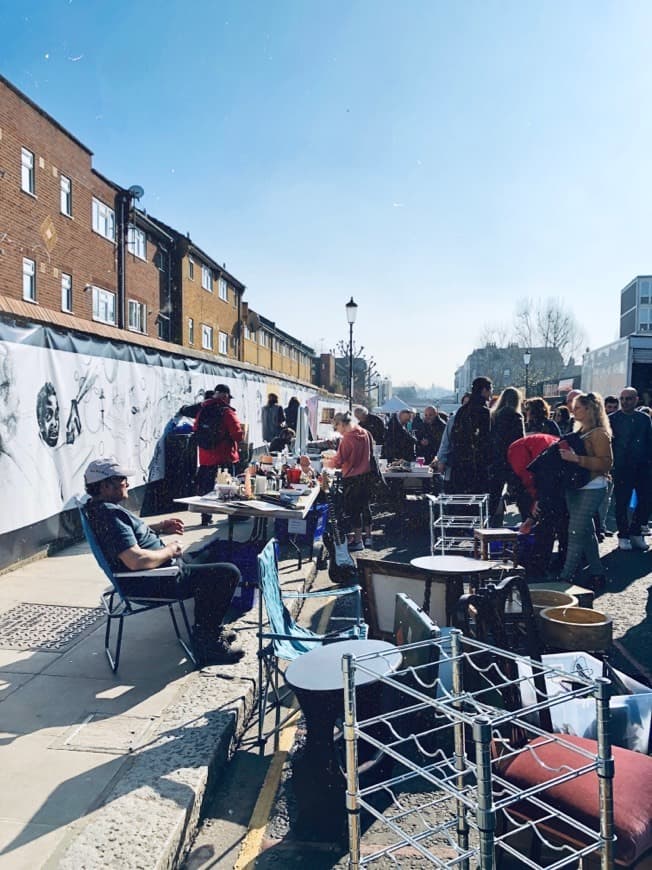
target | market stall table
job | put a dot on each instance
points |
(257, 509)
(455, 569)
(316, 678)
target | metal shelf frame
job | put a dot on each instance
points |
(452, 531)
(447, 799)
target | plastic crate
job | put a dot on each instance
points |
(243, 554)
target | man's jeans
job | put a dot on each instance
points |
(625, 482)
(210, 583)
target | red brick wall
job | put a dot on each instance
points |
(26, 221)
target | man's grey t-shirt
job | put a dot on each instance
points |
(117, 529)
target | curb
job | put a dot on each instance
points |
(149, 815)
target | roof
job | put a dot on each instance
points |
(272, 327)
(42, 112)
(195, 249)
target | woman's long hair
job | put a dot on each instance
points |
(509, 398)
(594, 404)
(538, 410)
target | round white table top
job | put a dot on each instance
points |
(320, 670)
(454, 565)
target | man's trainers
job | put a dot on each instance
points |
(638, 542)
(624, 544)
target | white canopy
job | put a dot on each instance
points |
(393, 405)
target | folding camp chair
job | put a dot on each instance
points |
(118, 604)
(284, 639)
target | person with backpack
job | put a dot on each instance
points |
(217, 434)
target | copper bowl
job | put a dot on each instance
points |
(575, 628)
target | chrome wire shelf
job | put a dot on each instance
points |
(453, 519)
(449, 744)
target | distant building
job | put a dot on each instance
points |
(505, 367)
(636, 306)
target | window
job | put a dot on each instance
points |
(644, 294)
(103, 305)
(224, 343)
(27, 177)
(103, 220)
(264, 338)
(206, 337)
(191, 331)
(223, 290)
(276, 346)
(191, 268)
(137, 242)
(645, 321)
(284, 349)
(247, 331)
(206, 278)
(65, 195)
(66, 292)
(29, 280)
(137, 316)
(252, 336)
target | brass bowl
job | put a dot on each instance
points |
(542, 598)
(575, 628)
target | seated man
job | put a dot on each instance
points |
(129, 544)
(282, 441)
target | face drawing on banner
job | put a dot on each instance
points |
(47, 414)
(8, 401)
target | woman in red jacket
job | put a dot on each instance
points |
(222, 430)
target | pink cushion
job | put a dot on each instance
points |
(579, 798)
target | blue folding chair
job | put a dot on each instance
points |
(285, 640)
(118, 604)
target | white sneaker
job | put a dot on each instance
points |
(624, 544)
(638, 542)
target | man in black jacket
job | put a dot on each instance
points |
(399, 443)
(371, 422)
(632, 447)
(429, 434)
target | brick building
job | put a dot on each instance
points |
(74, 243)
(60, 226)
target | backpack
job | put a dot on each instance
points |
(209, 431)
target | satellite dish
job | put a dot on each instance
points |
(136, 191)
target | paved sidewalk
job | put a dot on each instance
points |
(101, 770)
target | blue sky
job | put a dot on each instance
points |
(437, 160)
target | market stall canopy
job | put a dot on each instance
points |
(393, 405)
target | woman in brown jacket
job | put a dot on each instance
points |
(592, 424)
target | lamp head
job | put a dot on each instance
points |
(527, 356)
(351, 310)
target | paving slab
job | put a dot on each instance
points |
(110, 770)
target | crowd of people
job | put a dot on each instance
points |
(562, 468)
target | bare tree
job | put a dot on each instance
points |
(548, 323)
(500, 334)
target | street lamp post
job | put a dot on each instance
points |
(527, 356)
(351, 312)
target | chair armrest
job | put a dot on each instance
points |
(169, 571)
(330, 592)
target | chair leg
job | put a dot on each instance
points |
(187, 647)
(113, 661)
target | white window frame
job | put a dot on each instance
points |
(137, 316)
(284, 349)
(66, 292)
(223, 288)
(29, 280)
(206, 278)
(65, 195)
(104, 305)
(27, 171)
(191, 331)
(223, 343)
(137, 242)
(263, 341)
(191, 269)
(247, 332)
(206, 337)
(103, 219)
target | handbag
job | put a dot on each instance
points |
(570, 474)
